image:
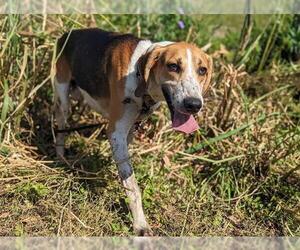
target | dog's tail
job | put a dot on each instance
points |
(61, 44)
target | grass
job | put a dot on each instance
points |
(238, 175)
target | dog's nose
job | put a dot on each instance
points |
(192, 105)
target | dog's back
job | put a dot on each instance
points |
(87, 54)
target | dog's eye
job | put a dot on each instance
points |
(202, 71)
(173, 67)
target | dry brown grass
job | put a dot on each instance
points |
(238, 175)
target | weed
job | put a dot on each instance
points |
(237, 175)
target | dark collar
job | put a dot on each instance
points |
(147, 108)
(148, 102)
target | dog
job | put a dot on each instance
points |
(124, 78)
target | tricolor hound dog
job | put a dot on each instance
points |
(123, 77)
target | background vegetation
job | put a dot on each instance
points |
(238, 175)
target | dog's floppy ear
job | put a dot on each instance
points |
(144, 66)
(209, 75)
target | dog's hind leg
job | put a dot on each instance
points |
(118, 133)
(61, 109)
(61, 102)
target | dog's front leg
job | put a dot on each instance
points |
(118, 134)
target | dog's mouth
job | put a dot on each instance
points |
(182, 122)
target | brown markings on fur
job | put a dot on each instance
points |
(158, 59)
(63, 71)
(145, 64)
(119, 62)
(210, 70)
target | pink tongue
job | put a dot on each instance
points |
(184, 123)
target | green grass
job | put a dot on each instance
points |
(238, 175)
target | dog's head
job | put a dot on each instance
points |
(179, 73)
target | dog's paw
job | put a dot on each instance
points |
(143, 231)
